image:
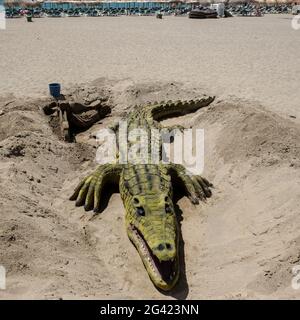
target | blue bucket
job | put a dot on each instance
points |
(54, 89)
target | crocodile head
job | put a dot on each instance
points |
(152, 227)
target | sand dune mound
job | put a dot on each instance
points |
(242, 243)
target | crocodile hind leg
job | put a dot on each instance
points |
(88, 192)
(197, 187)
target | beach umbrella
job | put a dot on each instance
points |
(175, 3)
(31, 4)
(12, 3)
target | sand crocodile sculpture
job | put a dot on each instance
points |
(147, 191)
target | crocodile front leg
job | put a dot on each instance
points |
(197, 187)
(88, 192)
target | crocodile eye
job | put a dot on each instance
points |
(136, 200)
(140, 211)
(168, 209)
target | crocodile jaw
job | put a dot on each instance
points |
(153, 266)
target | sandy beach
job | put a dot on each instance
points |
(255, 59)
(241, 244)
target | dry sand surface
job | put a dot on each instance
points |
(241, 244)
(256, 58)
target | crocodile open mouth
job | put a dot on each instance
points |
(165, 270)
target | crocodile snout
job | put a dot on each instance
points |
(165, 250)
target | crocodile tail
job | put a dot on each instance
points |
(163, 110)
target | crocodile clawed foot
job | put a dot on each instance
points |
(88, 192)
(203, 186)
(197, 187)
(84, 192)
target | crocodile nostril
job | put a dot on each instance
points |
(164, 246)
(161, 247)
(169, 246)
